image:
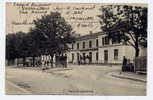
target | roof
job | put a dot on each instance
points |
(89, 36)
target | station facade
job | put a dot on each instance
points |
(96, 48)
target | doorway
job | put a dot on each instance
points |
(105, 56)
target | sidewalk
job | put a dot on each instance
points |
(130, 75)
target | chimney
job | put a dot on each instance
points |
(90, 32)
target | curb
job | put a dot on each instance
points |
(134, 79)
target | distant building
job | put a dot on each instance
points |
(96, 48)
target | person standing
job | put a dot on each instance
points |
(124, 63)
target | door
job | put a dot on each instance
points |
(78, 58)
(90, 57)
(105, 56)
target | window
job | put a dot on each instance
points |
(83, 45)
(103, 41)
(106, 41)
(77, 45)
(115, 54)
(90, 44)
(97, 56)
(97, 43)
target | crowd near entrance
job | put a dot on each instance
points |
(84, 59)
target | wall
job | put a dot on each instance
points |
(123, 50)
(110, 49)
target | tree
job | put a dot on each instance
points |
(32, 46)
(52, 34)
(127, 24)
(16, 46)
(10, 47)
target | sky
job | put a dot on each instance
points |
(82, 17)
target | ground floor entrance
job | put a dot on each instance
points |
(105, 56)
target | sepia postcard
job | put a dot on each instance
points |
(93, 49)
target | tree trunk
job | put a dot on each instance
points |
(137, 52)
(24, 62)
(51, 61)
(33, 61)
(137, 47)
(17, 62)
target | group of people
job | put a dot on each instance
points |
(44, 65)
(61, 61)
(84, 59)
(127, 65)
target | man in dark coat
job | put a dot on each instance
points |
(124, 63)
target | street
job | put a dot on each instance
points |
(74, 80)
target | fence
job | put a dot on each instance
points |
(141, 63)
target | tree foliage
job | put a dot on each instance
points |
(127, 24)
(16, 45)
(50, 35)
(53, 33)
